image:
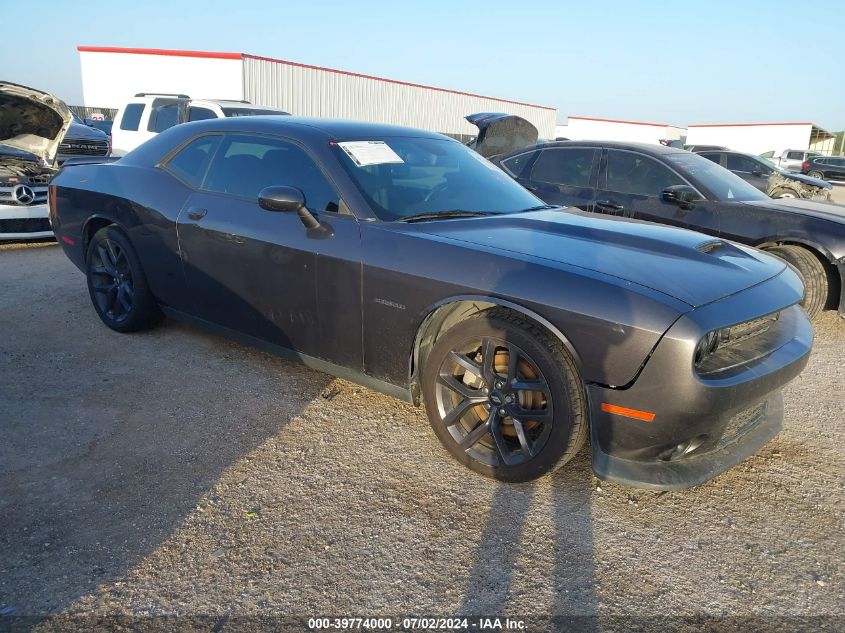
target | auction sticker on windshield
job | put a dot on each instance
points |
(366, 153)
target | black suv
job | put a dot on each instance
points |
(825, 167)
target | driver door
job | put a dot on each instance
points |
(257, 271)
(632, 184)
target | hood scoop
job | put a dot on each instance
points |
(711, 246)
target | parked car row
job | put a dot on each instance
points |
(39, 133)
(771, 180)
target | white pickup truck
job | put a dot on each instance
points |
(147, 114)
(790, 159)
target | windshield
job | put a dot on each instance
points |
(403, 176)
(722, 184)
(230, 112)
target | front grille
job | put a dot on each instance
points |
(742, 423)
(7, 195)
(25, 225)
(83, 147)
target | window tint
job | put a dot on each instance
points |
(244, 165)
(743, 163)
(564, 166)
(795, 155)
(200, 114)
(516, 164)
(164, 117)
(716, 158)
(191, 162)
(132, 116)
(634, 173)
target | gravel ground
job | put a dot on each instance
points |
(838, 193)
(174, 472)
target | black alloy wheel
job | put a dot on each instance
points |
(504, 398)
(117, 284)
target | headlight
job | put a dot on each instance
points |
(707, 346)
(726, 342)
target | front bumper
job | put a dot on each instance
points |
(18, 222)
(702, 425)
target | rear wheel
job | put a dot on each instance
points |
(816, 174)
(117, 284)
(784, 192)
(816, 284)
(504, 397)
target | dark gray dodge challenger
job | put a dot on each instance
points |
(404, 261)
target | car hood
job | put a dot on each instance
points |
(802, 206)
(501, 133)
(686, 265)
(814, 182)
(32, 121)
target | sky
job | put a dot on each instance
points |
(677, 62)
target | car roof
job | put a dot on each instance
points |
(645, 148)
(336, 129)
(233, 103)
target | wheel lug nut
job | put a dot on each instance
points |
(498, 385)
(502, 412)
(508, 399)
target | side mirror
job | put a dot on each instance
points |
(280, 198)
(682, 195)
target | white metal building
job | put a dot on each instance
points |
(110, 76)
(756, 138)
(579, 128)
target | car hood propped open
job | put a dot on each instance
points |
(32, 121)
(500, 133)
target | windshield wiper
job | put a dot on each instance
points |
(445, 215)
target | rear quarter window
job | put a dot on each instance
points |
(131, 117)
(191, 162)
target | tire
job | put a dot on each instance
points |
(784, 192)
(541, 429)
(117, 285)
(816, 282)
(816, 174)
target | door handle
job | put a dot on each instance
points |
(195, 213)
(607, 205)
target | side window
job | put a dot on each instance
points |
(131, 117)
(516, 164)
(244, 165)
(716, 158)
(191, 163)
(628, 172)
(565, 166)
(200, 114)
(741, 163)
(163, 117)
(795, 155)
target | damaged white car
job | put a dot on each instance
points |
(32, 125)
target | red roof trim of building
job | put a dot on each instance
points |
(589, 118)
(213, 55)
(742, 124)
(158, 51)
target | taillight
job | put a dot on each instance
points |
(805, 165)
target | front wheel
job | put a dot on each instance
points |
(815, 277)
(504, 397)
(117, 284)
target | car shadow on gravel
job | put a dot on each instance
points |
(88, 494)
(509, 543)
